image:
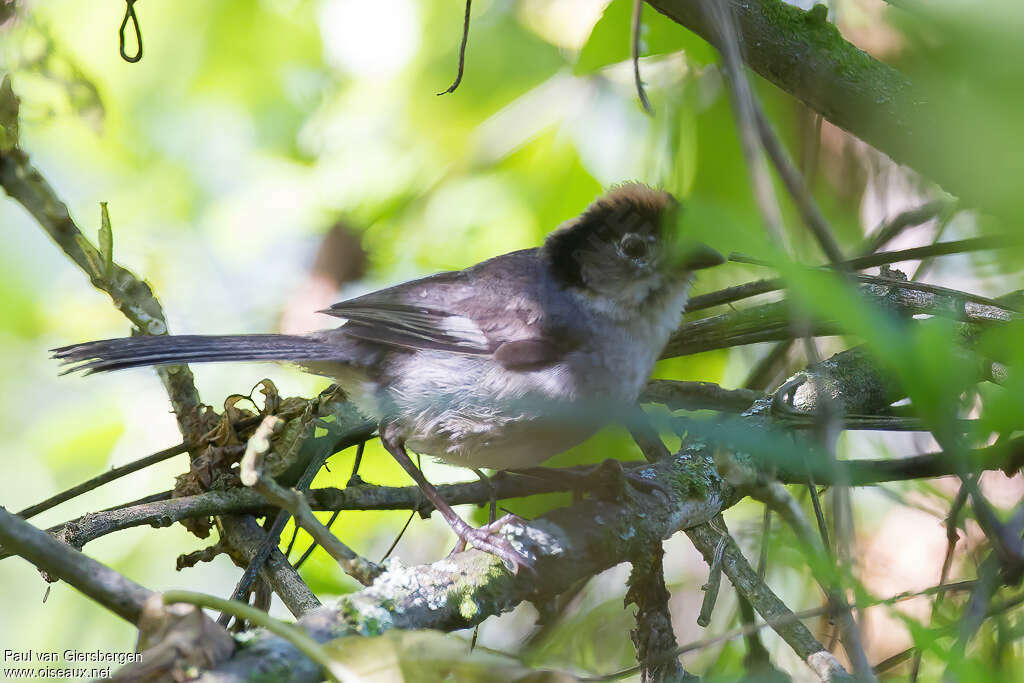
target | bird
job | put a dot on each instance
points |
(483, 367)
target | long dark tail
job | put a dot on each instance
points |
(133, 352)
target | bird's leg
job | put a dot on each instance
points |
(492, 510)
(355, 479)
(485, 538)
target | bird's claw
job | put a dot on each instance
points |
(488, 539)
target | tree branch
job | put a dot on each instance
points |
(120, 595)
(132, 296)
(806, 56)
(776, 496)
(1007, 457)
(245, 537)
(744, 578)
(653, 637)
(292, 500)
(750, 289)
(466, 588)
(772, 321)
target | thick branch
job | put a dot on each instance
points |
(805, 55)
(245, 537)
(1006, 457)
(653, 637)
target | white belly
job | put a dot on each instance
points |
(475, 413)
(471, 411)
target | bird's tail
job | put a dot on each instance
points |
(133, 352)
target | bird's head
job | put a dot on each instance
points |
(624, 248)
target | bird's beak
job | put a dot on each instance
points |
(696, 256)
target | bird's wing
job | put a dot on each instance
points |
(492, 309)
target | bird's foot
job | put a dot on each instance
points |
(488, 539)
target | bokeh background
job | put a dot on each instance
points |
(268, 157)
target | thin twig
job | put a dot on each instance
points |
(757, 287)
(889, 230)
(398, 537)
(797, 187)
(744, 578)
(963, 246)
(926, 263)
(952, 537)
(721, 18)
(462, 52)
(811, 613)
(312, 546)
(99, 480)
(634, 46)
(292, 501)
(291, 542)
(767, 368)
(775, 495)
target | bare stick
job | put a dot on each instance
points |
(744, 578)
(774, 494)
(251, 472)
(462, 52)
(634, 46)
(99, 480)
(888, 231)
(797, 187)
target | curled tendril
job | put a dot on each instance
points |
(129, 15)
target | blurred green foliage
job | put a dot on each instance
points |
(249, 127)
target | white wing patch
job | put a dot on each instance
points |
(465, 329)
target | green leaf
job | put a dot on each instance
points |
(8, 115)
(106, 242)
(95, 261)
(609, 41)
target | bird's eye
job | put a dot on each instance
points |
(633, 246)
